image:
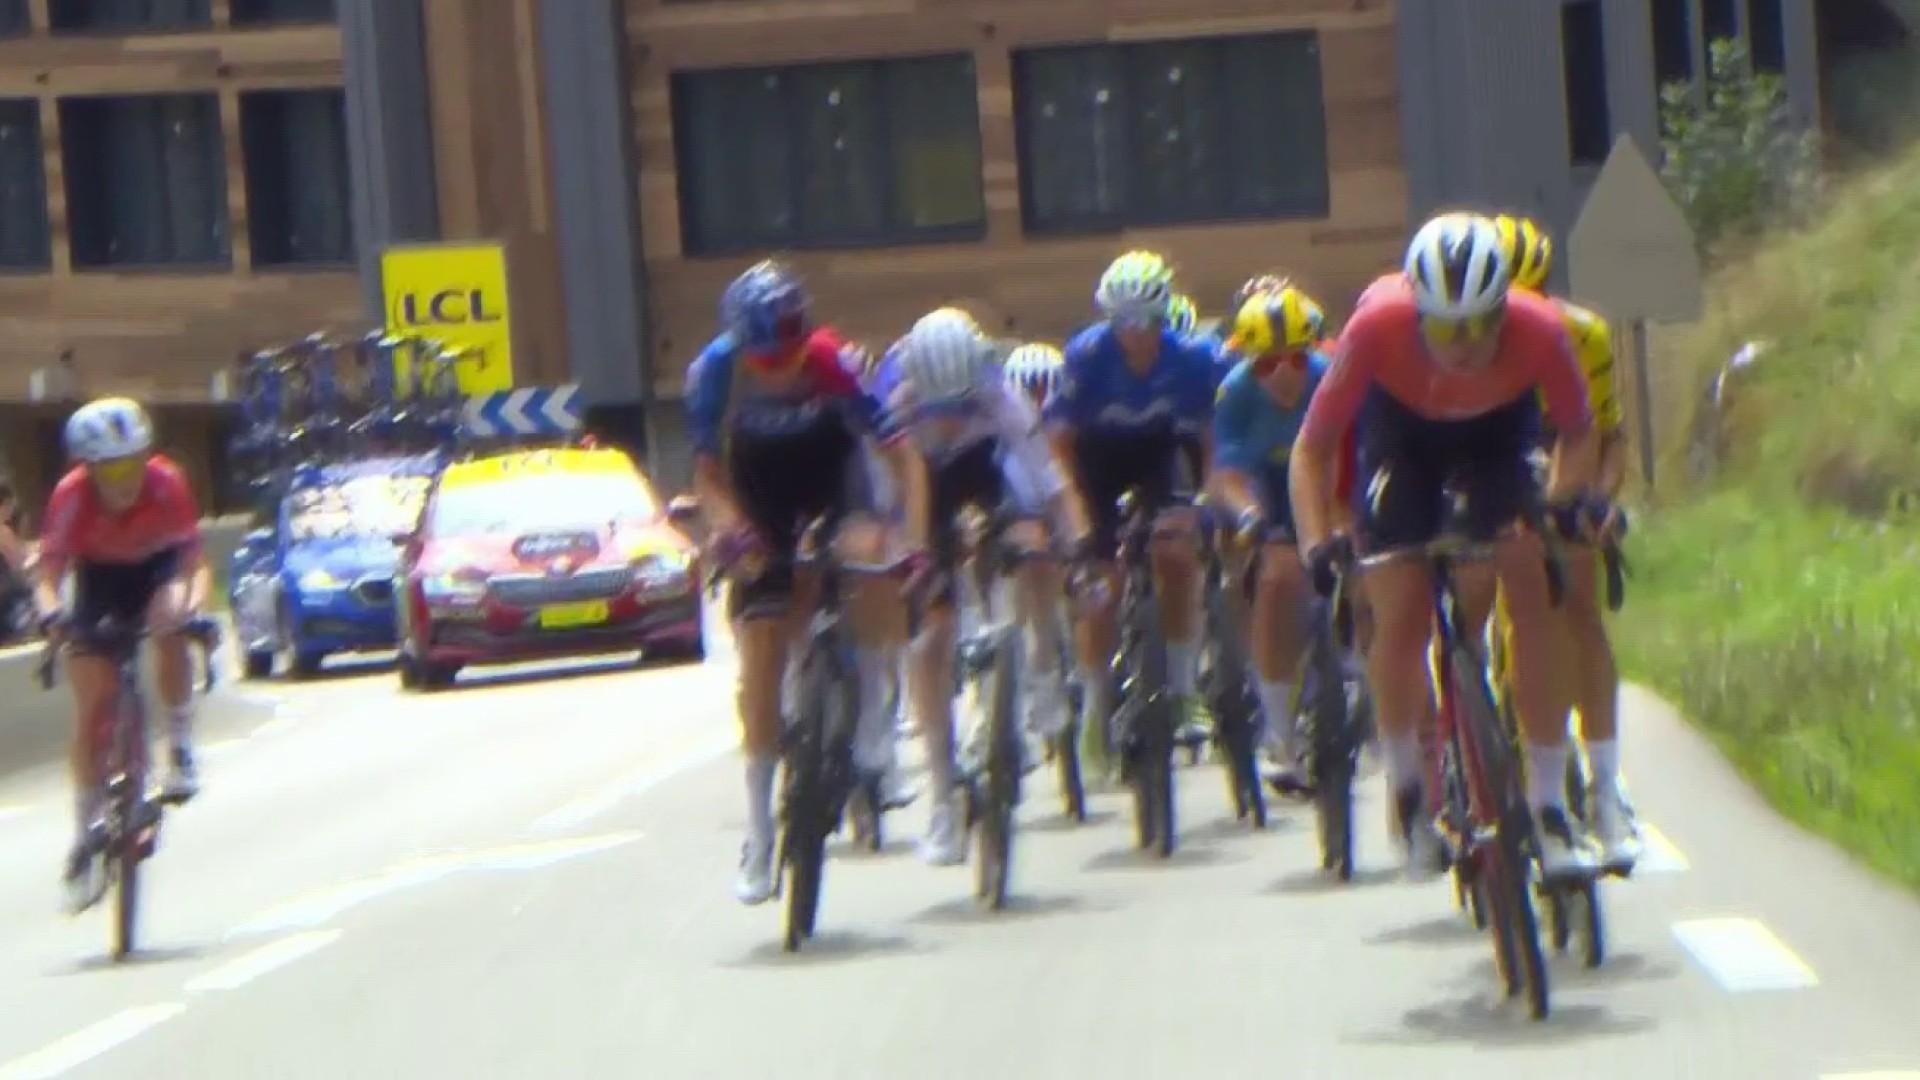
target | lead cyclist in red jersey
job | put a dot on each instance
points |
(124, 521)
(1437, 372)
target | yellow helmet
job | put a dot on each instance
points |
(1282, 321)
(1528, 248)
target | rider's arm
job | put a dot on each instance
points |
(708, 380)
(1229, 482)
(1576, 450)
(61, 524)
(1612, 470)
(1336, 401)
(1063, 416)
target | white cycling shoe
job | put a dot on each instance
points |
(946, 841)
(755, 883)
(1563, 852)
(1615, 828)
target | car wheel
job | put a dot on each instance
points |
(690, 652)
(259, 664)
(307, 664)
(409, 671)
(437, 676)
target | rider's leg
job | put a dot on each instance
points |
(1096, 638)
(173, 664)
(1594, 681)
(877, 617)
(1037, 587)
(762, 630)
(1176, 581)
(930, 686)
(1277, 638)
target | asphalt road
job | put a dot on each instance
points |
(531, 878)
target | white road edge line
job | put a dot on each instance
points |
(582, 810)
(1742, 955)
(1661, 854)
(272, 956)
(8, 813)
(89, 1042)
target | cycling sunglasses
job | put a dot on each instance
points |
(118, 470)
(1473, 328)
(1264, 366)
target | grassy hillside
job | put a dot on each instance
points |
(1778, 598)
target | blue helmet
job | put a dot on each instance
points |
(765, 307)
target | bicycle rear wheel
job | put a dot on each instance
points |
(808, 815)
(1066, 756)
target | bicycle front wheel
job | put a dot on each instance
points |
(1003, 775)
(807, 813)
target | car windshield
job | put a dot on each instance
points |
(544, 500)
(369, 506)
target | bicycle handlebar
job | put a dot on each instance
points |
(120, 640)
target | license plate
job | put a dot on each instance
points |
(563, 616)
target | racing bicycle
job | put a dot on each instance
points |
(1143, 723)
(1335, 714)
(130, 831)
(1484, 813)
(1226, 677)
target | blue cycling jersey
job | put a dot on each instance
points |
(1252, 431)
(760, 413)
(1098, 391)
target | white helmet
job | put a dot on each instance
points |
(1138, 284)
(1457, 267)
(1034, 371)
(944, 355)
(108, 428)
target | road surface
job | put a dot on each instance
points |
(531, 878)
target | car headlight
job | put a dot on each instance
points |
(459, 587)
(318, 580)
(662, 572)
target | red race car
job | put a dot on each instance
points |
(529, 554)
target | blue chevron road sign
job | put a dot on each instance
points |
(529, 410)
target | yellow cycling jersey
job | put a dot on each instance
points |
(1593, 347)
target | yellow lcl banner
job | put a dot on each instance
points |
(455, 294)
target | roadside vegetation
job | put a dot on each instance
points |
(1776, 595)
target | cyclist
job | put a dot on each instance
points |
(983, 448)
(1133, 399)
(1034, 370)
(1437, 370)
(1586, 656)
(777, 424)
(1255, 421)
(124, 521)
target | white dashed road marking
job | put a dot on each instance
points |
(584, 809)
(1743, 956)
(270, 957)
(89, 1042)
(1660, 856)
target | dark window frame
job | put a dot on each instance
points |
(1131, 212)
(61, 22)
(278, 208)
(891, 232)
(83, 187)
(240, 18)
(1583, 54)
(39, 228)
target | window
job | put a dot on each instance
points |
(828, 154)
(1768, 38)
(1722, 19)
(295, 145)
(1198, 130)
(283, 11)
(13, 18)
(146, 180)
(1672, 42)
(1584, 54)
(23, 189)
(124, 15)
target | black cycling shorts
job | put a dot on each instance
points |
(1407, 463)
(121, 591)
(782, 482)
(1158, 464)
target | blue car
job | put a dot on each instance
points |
(320, 580)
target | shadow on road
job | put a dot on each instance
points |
(140, 958)
(1449, 929)
(1061, 823)
(1132, 858)
(1227, 828)
(1310, 881)
(966, 911)
(1490, 1022)
(830, 947)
